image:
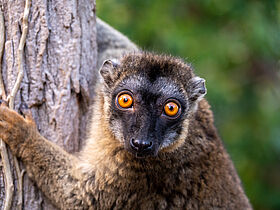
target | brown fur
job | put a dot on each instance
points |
(195, 172)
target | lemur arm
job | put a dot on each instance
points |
(47, 164)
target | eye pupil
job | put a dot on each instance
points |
(124, 100)
(171, 109)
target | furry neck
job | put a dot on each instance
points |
(104, 152)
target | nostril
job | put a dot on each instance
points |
(133, 143)
(140, 145)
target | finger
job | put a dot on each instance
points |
(29, 118)
(26, 113)
(9, 115)
(4, 130)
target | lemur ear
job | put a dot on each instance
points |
(196, 89)
(107, 70)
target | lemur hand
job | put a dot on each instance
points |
(15, 129)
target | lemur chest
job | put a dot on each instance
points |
(139, 190)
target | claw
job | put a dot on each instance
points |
(26, 112)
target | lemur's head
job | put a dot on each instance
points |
(149, 100)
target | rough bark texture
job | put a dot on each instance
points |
(60, 72)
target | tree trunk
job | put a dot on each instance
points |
(59, 75)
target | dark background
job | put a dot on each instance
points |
(235, 46)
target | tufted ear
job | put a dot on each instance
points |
(107, 70)
(196, 89)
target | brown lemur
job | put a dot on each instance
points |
(152, 143)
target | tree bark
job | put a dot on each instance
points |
(59, 75)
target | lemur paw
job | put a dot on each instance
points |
(14, 128)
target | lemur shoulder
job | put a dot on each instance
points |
(152, 143)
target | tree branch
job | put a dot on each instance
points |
(20, 53)
(11, 98)
(2, 41)
(15, 90)
(3, 148)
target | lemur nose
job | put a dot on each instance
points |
(140, 145)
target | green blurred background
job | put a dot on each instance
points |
(235, 45)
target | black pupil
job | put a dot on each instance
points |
(171, 107)
(125, 100)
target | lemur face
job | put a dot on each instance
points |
(149, 113)
(148, 109)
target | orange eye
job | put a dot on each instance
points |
(171, 109)
(125, 100)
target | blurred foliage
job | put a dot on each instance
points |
(235, 45)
